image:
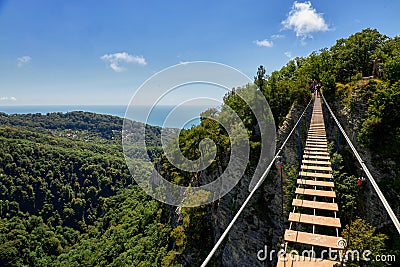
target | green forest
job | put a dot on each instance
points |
(67, 197)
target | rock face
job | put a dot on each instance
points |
(351, 118)
(260, 225)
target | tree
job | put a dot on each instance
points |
(355, 54)
(361, 237)
(261, 77)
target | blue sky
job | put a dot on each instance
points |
(100, 52)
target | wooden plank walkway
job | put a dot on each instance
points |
(316, 148)
(325, 241)
(313, 219)
(307, 156)
(315, 192)
(316, 143)
(316, 175)
(311, 152)
(301, 261)
(314, 182)
(315, 205)
(316, 168)
(316, 162)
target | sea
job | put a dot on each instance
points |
(185, 117)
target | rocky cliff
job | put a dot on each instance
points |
(351, 114)
(260, 224)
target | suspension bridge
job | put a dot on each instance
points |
(313, 222)
(314, 205)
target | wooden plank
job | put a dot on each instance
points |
(319, 205)
(321, 138)
(315, 220)
(316, 144)
(313, 192)
(316, 174)
(313, 239)
(316, 168)
(316, 136)
(310, 148)
(307, 156)
(302, 261)
(316, 162)
(322, 144)
(315, 183)
(316, 132)
(313, 142)
(314, 153)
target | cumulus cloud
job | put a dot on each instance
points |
(304, 20)
(277, 36)
(115, 60)
(288, 54)
(6, 98)
(264, 43)
(21, 61)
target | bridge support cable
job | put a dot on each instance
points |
(367, 172)
(262, 178)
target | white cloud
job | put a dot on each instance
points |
(115, 60)
(21, 61)
(288, 54)
(304, 20)
(6, 98)
(277, 36)
(264, 43)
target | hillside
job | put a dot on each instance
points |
(64, 182)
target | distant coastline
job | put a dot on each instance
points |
(156, 118)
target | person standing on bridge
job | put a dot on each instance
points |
(318, 89)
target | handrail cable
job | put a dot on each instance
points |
(262, 178)
(364, 166)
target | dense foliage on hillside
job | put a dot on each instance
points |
(61, 196)
(77, 120)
